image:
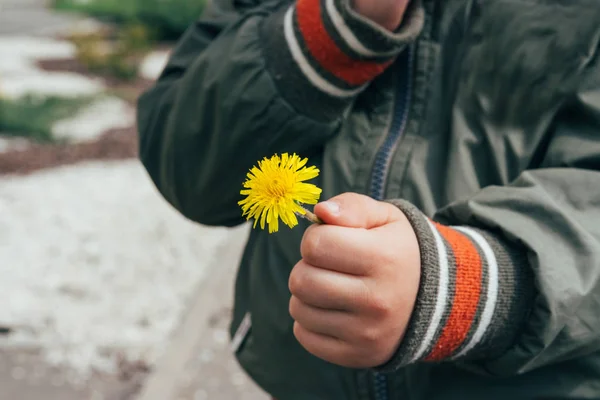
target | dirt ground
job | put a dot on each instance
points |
(25, 376)
(116, 144)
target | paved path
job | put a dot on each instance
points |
(32, 18)
(196, 364)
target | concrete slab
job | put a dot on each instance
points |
(33, 17)
(199, 365)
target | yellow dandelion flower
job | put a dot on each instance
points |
(276, 188)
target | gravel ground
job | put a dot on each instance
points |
(21, 157)
(9, 144)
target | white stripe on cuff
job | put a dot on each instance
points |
(442, 293)
(348, 36)
(492, 289)
(313, 76)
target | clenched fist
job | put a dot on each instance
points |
(387, 13)
(354, 290)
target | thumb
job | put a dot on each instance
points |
(354, 210)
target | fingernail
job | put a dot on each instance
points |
(333, 207)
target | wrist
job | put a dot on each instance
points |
(475, 292)
(386, 13)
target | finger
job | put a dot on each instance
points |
(327, 289)
(332, 323)
(354, 210)
(328, 348)
(345, 250)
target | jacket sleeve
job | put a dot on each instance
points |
(511, 275)
(252, 78)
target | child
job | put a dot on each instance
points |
(459, 149)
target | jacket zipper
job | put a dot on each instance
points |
(383, 162)
(402, 100)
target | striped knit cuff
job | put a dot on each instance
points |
(474, 295)
(323, 53)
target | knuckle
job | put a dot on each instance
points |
(293, 308)
(379, 306)
(294, 282)
(393, 212)
(297, 332)
(298, 281)
(309, 248)
(370, 336)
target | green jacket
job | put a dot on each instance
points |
(483, 116)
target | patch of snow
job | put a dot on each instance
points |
(94, 264)
(153, 64)
(19, 75)
(43, 83)
(93, 121)
(12, 65)
(35, 48)
(8, 143)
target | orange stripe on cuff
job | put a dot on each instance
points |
(467, 292)
(325, 51)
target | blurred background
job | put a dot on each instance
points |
(105, 291)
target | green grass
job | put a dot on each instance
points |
(32, 117)
(117, 54)
(168, 18)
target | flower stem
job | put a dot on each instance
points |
(312, 217)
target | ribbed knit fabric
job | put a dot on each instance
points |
(325, 53)
(474, 295)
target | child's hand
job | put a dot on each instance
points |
(387, 13)
(354, 289)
